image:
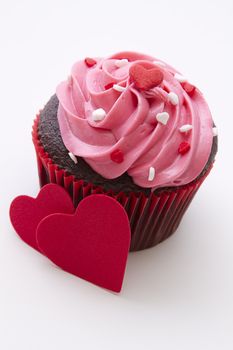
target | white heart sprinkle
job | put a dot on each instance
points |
(185, 128)
(98, 114)
(73, 157)
(162, 117)
(215, 131)
(180, 78)
(159, 63)
(121, 63)
(151, 173)
(118, 88)
(173, 98)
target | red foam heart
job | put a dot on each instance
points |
(145, 79)
(92, 244)
(26, 212)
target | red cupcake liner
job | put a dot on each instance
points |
(152, 218)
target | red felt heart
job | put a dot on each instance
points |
(92, 244)
(145, 79)
(26, 212)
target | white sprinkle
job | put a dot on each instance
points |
(173, 98)
(151, 173)
(159, 63)
(98, 114)
(69, 80)
(162, 117)
(121, 63)
(118, 88)
(185, 128)
(215, 131)
(73, 157)
(180, 78)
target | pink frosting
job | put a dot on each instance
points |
(130, 123)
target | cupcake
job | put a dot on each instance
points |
(132, 127)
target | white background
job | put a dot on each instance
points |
(178, 295)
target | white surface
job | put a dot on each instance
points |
(178, 295)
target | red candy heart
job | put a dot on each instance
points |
(90, 62)
(92, 244)
(184, 147)
(108, 86)
(26, 212)
(145, 79)
(117, 156)
(189, 88)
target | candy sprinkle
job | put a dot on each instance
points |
(189, 88)
(151, 173)
(117, 156)
(73, 157)
(173, 98)
(185, 128)
(180, 78)
(118, 88)
(108, 86)
(69, 80)
(184, 147)
(162, 117)
(215, 131)
(90, 62)
(98, 114)
(121, 63)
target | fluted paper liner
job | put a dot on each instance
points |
(152, 218)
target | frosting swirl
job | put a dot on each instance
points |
(117, 127)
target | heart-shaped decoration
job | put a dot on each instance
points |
(92, 244)
(162, 117)
(26, 212)
(145, 79)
